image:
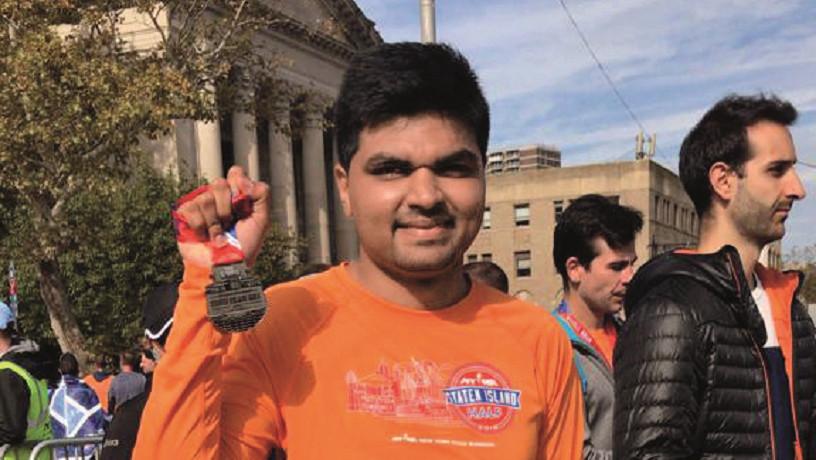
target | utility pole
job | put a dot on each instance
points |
(427, 11)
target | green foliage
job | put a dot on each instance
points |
(804, 259)
(808, 289)
(76, 98)
(122, 246)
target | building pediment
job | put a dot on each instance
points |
(335, 26)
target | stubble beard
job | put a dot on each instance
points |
(756, 221)
(424, 258)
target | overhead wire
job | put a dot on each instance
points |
(605, 73)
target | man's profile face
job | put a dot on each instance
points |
(415, 189)
(148, 365)
(603, 284)
(769, 184)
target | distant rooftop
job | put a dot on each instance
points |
(511, 159)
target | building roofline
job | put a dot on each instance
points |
(524, 147)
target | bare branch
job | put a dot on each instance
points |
(154, 13)
(231, 29)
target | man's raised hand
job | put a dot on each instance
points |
(203, 217)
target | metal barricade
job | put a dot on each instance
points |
(69, 448)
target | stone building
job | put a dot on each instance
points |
(317, 39)
(523, 205)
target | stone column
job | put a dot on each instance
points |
(315, 198)
(245, 144)
(346, 234)
(208, 140)
(282, 172)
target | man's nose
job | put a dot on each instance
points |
(424, 189)
(796, 189)
(628, 274)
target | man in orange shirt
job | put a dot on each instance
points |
(396, 354)
(594, 252)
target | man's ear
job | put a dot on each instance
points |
(575, 271)
(341, 179)
(723, 181)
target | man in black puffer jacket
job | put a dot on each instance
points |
(718, 357)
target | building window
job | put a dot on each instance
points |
(657, 208)
(486, 218)
(558, 209)
(674, 217)
(523, 264)
(472, 258)
(522, 214)
(487, 257)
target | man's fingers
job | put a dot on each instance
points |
(259, 195)
(236, 179)
(207, 205)
(194, 219)
(223, 202)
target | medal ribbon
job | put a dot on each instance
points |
(584, 334)
(221, 255)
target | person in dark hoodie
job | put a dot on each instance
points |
(717, 358)
(23, 391)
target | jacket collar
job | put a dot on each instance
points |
(720, 272)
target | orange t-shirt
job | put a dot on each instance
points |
(100, 388)
(605, 339)
(334, 372)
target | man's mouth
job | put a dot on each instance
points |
(425, 223)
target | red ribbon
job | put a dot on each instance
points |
(584, 334)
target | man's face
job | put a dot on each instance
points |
(415, 189)
(148, 365)
(602, 285)
(769, 185)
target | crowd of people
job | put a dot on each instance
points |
(405, 353)
(40, 401)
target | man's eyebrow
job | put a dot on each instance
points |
(383, 158)
(457, 156)
(389, 158)
(778, 163)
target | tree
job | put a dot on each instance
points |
(75, 100)
(108, 273)
(804, 259)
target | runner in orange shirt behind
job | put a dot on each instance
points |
(100, 381)
(397, 354)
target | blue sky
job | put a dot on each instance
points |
(671, 60)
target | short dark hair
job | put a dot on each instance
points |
(587, 218)
(68, 365)
(408, 79)
(130, 358)
(722, 136)
(488, 273)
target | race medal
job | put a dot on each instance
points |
(235, 299)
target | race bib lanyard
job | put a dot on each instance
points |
(235, 299)
(583, 333)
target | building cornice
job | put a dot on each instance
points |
(358, 28)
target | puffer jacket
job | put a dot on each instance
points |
(690, 378)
